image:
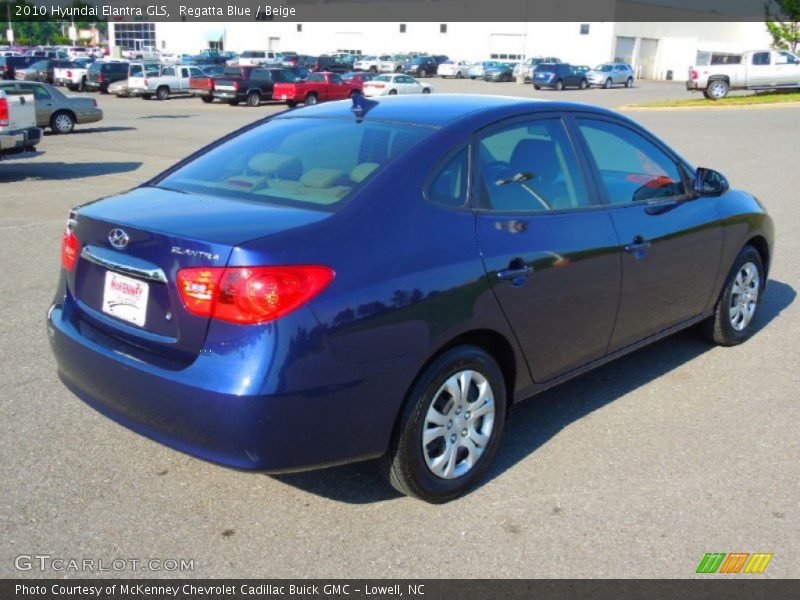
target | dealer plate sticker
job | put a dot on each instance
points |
(125, 298)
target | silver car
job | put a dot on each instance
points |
(609, 74)
(56, 110)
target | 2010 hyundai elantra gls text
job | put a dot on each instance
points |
(344, 282)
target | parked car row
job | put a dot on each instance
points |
(54, 109)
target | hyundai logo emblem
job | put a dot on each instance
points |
(118, 238)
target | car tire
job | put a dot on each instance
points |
(736, 311)
(147, 96)
(311, 100)
(82, 86)
(373, 69)
(583, 84)
(62, 122)
(423, 73)
(393, 92)
(430, 471)
(537, 87)
(207, 99)
(459, 75)
(629, 82)
(162, 93)
(607, 84)
(354, 93)
(233, 103)
(559, 86)
(426, 90)
(253, 99)
(471, 77)
(291, 103)
(717, 89)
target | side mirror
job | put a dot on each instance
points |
(708, 182)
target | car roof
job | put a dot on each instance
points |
(439, 110)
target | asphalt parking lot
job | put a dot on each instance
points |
(635, 470)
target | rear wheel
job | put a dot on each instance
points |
(583, 84)
(147, 96)
(423, 73)
(607, 84)
(207, 99)
(162, 93)
(458, 75)
(559, 85)
(426, 90)
(735, 314)
(62, 122)
(311, 100)
(537, 87)
(253, 99)
(393, 92)
(233, 103)
(629, 82)
(717, 89)
(291, 103)
(450, 426)
(373, 69)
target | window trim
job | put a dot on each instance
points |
(684, 167)
(595, 199)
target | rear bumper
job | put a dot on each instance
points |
(139, 91)
(201, 93)
(692, 86)
(258, 407)
(20, 141)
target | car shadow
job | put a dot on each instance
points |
(80, 129)
(533, 423)
(52, 171)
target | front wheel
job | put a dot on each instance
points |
(162, 93)
(393, 92)
(311, 100)
(629, 82)
(735, 314)
(423, 74)
(607, 84)
(207, 99)
(147, 96)
(426, 90)
(559, 85)
(537, 87)
(583, 84)
(291, 103)
(449, 428)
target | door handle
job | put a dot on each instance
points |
(638, 244)
(517, 271)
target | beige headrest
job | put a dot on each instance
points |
(362, 171)
(268, 162)
(321, 178)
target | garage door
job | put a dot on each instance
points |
(646, 63)
(624, 49)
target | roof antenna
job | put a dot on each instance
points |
(361, 105)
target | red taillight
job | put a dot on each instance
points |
(69, 74)
(70, 245)
(4, 118)
(145, 83)
(101, 79)
(377, 85)
(236, 85)
(695, 74)
(248, 295)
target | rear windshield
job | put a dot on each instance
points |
(233, 71)
(251, 54)
(284, 76)
(604, 68)
(305, 162)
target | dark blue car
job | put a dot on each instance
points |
(330, 285)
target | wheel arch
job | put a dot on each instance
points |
(68, 111)
(759, 242)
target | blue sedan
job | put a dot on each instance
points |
(386, 279)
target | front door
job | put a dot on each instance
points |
(550, 251)
(671, 241)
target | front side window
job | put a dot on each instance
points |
(316, 77)
(168, 72)
(530, 167)
(632, 168)
(304, 162)
(787, 58)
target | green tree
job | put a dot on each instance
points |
(783, 23)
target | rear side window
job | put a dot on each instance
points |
(631, 167)
(449, 186)
(312, 163)
(530, 167)
(761, 58)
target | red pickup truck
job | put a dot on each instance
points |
(317, 87)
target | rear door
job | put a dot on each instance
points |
(44, 101)
(671, 241)
(549, 248)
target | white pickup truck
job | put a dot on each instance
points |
(758, 70)
(18, 131)
(171, 80)
(73, 77)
